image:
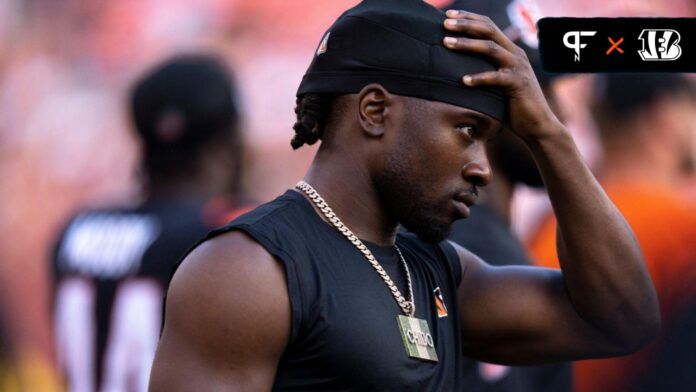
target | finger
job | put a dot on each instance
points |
(480, 29)
(501, 78)
(464, 14)
(485, 47)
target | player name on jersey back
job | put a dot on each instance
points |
(107, 245)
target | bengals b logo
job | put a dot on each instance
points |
(660, 45)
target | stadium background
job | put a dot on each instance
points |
(65, 143)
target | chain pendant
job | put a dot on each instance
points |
(408, 307)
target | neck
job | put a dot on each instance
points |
(347, 188)
(499, 195)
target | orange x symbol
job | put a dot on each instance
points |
(615, 45)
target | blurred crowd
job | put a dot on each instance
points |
(67, 144)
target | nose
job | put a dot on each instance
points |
(478, 170)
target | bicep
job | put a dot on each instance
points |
(521, 315)
(227, 320)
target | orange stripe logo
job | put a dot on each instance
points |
(440, 303)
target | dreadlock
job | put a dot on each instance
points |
(312, 111)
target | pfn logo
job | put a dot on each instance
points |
(575, 44)
(660, 45)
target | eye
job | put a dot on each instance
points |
(467, 129)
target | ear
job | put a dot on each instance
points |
(374, 103)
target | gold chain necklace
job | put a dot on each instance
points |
(415, 333)
(407, 306)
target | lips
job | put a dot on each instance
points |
(468, 198)
(461, 208)
(462, 202)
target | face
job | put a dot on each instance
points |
(433, 163)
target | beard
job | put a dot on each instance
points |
(406, 201)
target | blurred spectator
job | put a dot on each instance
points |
(112, 265)
(646, 127)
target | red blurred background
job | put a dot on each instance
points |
(65, 144)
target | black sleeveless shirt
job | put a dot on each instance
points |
(344, 332)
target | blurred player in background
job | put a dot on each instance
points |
(112, 266)
(487, 232)
(646, 124)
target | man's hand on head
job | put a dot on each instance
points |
(604, 298)
(530, 116)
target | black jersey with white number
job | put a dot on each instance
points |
(111, 269)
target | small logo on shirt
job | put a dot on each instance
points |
(440, 303)
(324, 45)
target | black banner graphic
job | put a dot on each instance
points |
(618, 44)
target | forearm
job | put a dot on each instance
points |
(603, 268)
(604, 274)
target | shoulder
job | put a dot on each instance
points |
(220, 268)
(227, 318)
(279, 227)
(250, 266)
(229, 282)
(285, 205)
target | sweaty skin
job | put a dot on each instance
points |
(602, 304)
